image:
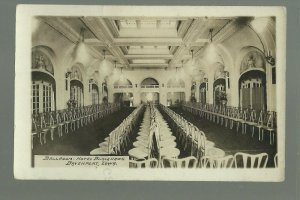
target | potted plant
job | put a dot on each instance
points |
(72, 104)
(223, 97)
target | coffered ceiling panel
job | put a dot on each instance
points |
(141, 41)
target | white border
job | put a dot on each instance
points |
(22, 141)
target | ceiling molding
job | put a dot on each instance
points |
(94, 42)
(148, 42)
(62, 27)
(194, 31)
(148, 56)
(101, 31)
(228, 30)
(184, 27)
(112, 27)
(150, 65)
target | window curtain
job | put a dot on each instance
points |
(245, 93)
(258, 98)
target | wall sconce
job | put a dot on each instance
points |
(270, 59)
(90, 84)
(206, 83)
(136, 85)
(67, 75)
(227, 79)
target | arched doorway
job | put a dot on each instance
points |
(94, 91)
(219, 91)
(124, 98)
(150, 97)
(76, 87)
(175, 98)
(43, 95)
(202, 92)
(252, 82)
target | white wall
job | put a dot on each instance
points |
(230, 51)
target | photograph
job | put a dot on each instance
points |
(150, 93)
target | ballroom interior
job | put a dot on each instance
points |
(182, 92)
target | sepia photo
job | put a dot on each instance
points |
(150, 93)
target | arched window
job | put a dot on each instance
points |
(123, 83)
(43, 82)
(202, 92)
(149, 83)
(193, 92)
(219, 91)
(252, 82)
(76, 85)
(94, 90)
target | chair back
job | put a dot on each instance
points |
(213, 162)
(150, 163)
(276, 160)
(188, 162)
(246, 160)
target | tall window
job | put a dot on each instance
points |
(42, 97)
(219, 91)
(76, 85)
(76, 93)
(35, 98)
(95, 94)
(202, 93)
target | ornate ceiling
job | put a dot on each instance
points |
(143, 42)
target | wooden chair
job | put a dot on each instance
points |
(246, 160)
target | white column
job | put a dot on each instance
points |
(136, 95)
(210, 91)
(270, 89)
(234, 88)
(197, 91)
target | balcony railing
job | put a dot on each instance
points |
(175, 86)
(122, 86)
(149, 86)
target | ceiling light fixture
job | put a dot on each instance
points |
(106, 67)
(81, 51)
(211, 54)
(211, 35)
